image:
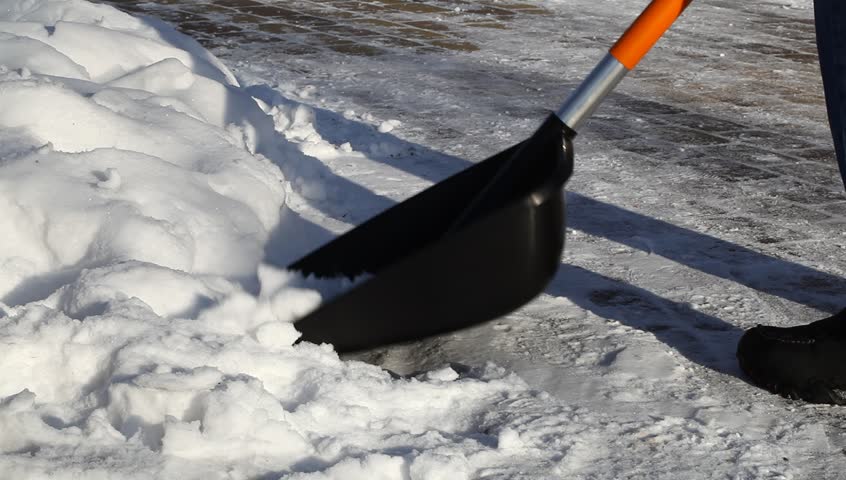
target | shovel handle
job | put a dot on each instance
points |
(623, 56)
(646, 30)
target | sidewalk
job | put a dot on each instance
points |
(743, 98)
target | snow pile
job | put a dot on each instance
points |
(140, 335)
(135, 152)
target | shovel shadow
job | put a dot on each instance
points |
(699, 337)
(705, 253)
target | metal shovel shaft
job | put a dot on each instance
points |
(585, 99)
(621, 58)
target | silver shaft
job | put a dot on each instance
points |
(583, 101)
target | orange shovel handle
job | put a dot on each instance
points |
(646, 30)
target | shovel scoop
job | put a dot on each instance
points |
(477, 245)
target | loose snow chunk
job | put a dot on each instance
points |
(440, 466)
(372, 467)
(37, 57)
(388, 126)
(446, 374)
(509, 439)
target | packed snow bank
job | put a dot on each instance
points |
(135, 152)
(140, 336)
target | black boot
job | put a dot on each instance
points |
(807, 362)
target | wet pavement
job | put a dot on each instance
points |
(738, 102)
(346, 27)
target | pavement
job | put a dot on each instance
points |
(736, 105)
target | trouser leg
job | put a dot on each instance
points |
(830, 21)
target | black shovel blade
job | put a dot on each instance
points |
(469, 249)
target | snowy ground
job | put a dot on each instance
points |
(142, 188)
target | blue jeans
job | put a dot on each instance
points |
(830, 21)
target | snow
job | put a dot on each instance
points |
(142, 335)
(148, 197)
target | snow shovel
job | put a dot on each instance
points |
(477, 245)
